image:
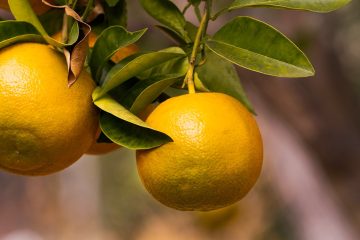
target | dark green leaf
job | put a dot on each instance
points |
(52, 21)
(166, 13)
(219, 75)
(177, 66)
(107, 44)
(120, 73)
(120, 93)
(172, 34)
(130, 135)
(124, 128)
(310, 5)
(191, 29)
(195, 2)
(259, 47)
(146, 91)
(174, 92)
(61, 2)
(103, 139)
(16, 31)
(115, 13)
(112, 2)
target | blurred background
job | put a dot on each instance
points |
(310, 184)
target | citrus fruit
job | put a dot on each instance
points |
(37, 5)
(215, 157)
(45, 125)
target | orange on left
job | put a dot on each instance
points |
(45, 125)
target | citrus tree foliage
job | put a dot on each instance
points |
(198, 60)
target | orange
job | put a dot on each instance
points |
(45, 125)
(215, 158)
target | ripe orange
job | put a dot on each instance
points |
(216, 156)
(45, 125)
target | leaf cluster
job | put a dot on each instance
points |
(126, 88)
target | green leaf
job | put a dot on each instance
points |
(21, 9)
(259, 47)
(74, 33)
(199, 85)
(102, 138)
(178, 66)
(115, 13)
(121, 73)
(309, 5)
(130, 135)
(52, 20)
(219, 75)
(107, 44)
(174, 92)
(124, 128)
(166, 13)
(195, 2)
(191, 29)
(172, 34)
(146, 91)
(112, 3)
(16, 31)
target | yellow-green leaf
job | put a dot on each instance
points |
(259, 47)
(309, 5)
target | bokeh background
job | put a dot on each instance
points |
(310, 185)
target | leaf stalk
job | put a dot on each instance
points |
(186, 8)
(88, 10)
(189, 78)
(218, 14)
(64, 30)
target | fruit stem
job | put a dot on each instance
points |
(189, 78)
